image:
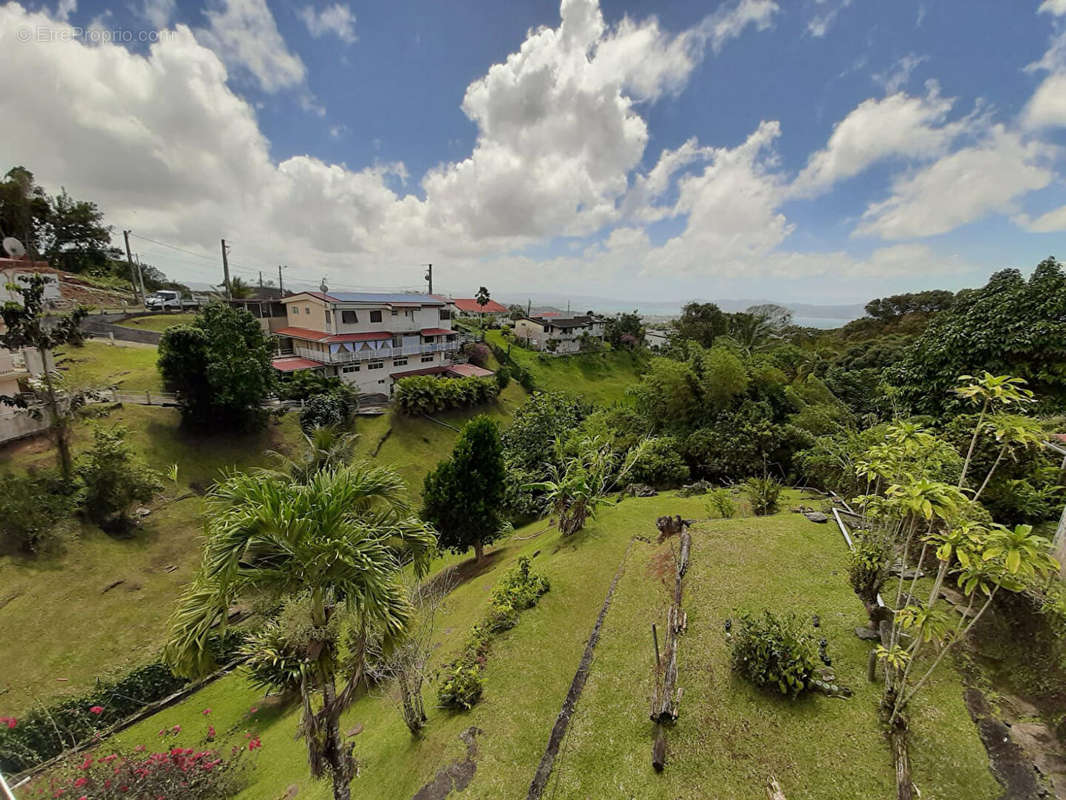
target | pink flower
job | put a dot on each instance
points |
(210, 731)
(253, 709)
(206, 711)
(254, 743)
(81, 781)
(98, 710)
(176, 729)
(140, 748)
(11, 722)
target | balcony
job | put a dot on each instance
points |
(342, 356)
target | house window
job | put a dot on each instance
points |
(349, 317)
(375, 365)
(399, 362)
(294, 310)
(327, 318)
(307, 309)
(445, 314)
(429, 339)
(396, 312)
(427, 359)
(397, 341)
(375, 316)
(351, 368)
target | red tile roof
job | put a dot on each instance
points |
(470, 305)
(436, 331)
(293, 363)
(302, 333)
(358, 337)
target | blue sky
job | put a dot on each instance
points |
(817, 151)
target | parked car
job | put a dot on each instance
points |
(169, 300)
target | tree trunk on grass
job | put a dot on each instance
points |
(904, 786)
(479, 551)
(337, 756)
(58, 423)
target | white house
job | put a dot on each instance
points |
(18, 270)
(558, 334)
(365, 339)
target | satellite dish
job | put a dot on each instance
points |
(13, 247)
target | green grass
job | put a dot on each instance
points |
(599, 377)
(99, 365)
(60, 629)
(729, 737)
(158, 322)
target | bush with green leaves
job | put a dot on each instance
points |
(720, 501)
(868, 565)
(774, 652)
(661, 464)
(503, 377)
(428, 394)
(460, 685)
(521, 589)
(327, 410)
(763, 495)
(31, 508)
(111, 478)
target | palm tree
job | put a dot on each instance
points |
(482, 298)
(341, 541)
(327, 447)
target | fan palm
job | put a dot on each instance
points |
(340, 539)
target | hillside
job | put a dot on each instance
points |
(727, 736)
(598, 377)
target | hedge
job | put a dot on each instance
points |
(426, 394)
(44, 733)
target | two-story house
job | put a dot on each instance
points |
(559, 334)
(368, 340)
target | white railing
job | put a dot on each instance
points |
(344, 357)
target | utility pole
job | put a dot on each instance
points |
(429, 277)
(129, 260)
(140, 274)
(260, 279)
(225, 271)
(281, 283)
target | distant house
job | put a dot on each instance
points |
(656, 339)
(369, 340)
(558, 334)
(469, 307)
(265, 305)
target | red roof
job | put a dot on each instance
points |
(302, 333)
(358, 337)
(470, 305)
(469, 371)
(409, 373)
(293, 363)
(436, 331)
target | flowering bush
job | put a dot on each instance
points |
(188, 773)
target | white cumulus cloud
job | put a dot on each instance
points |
(336, 19)
(245, 36)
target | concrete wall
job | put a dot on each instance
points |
(307, 312)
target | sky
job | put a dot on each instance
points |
(817, 151)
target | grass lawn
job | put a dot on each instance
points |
(60, 629)
(729, 737)
(600, 377)
(99, 364)
(158, 322)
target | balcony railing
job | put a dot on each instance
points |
(342, 356)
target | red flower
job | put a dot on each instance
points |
(98, 710)
(254, 743)
(81, 781)
(210, 731)
(140, 748)
(253, 709)
(176, 729)
(11, 722)
(206, 711)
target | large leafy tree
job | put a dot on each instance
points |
(331, 549)
(1010, 325)
(219, 366)
(624, 325)
(464, 494)
(24, 208)
(27, 325)
(702, 322)
(74, 237)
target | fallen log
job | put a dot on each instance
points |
(773, 789)
(658, 749)
(686, 546)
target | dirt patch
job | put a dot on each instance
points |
(458, 574)
(457, 775)
(1009, 762)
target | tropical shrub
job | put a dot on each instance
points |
(661, 464)
(460, 685)
(774, 652)
(763, 494)
(720, 501)
(191, 773)
(111, 479)
(478, 354)
(427, 394)
(521, 589)
(31, 508)
(327, 410)
(503, 377)
(868, 565)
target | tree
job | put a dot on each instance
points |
(516, 312)
(219, 366)
(24, 208)
(1010, 325)
(339, 544)
(624, 325)
(112, 479)
(668, 392)
(890, 308)
(702, 322)
(326, 448)
(463, 495)
(26, 325)
(74, 236)
(482, 298)
(238, 288)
